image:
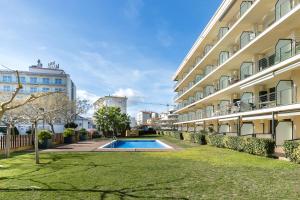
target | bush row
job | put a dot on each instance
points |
(198, 137)
(292, 150)
(251, 145)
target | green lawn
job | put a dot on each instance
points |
(197, 172)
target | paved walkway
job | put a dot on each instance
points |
(84, 146)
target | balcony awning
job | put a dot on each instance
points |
(258, 117)
(289, 114)
(228, 119)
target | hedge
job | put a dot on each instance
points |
(292, 150)
(251, 145)
(187, 136)
(200, 138)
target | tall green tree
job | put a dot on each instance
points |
(112, 120)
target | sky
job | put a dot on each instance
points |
(109, 47)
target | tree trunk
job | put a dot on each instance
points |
(52, 127)
(8, 141)
(36, 144)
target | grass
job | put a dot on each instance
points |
(197, 172)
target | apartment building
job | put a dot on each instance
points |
(39, 79)
(145, 117)
(242, 75)
(112, 101)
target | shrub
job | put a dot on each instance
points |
(199, 138)
(257, 146)
(215, 140)
(232, 142)
(178, 135)
(71, 125)
(68, 132)
(82, 131)
(263, 146)
(290, 148)
(44, 135)
(187, 136)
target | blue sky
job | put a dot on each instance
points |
(121, 47)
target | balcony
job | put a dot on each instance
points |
(251, 36)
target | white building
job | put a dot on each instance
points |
(143, 117)
(39, 79)
(84, 122)
(167, 120)
(112, 101)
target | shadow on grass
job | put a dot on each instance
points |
(122, 193)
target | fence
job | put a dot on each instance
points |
(19, 142)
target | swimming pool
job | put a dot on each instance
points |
(136, 144)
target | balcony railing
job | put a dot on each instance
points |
(270, 100)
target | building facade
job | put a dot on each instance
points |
(167, 120)
(36, 80)
(145, 117)
(241, 76)
(39, 79)
(112, 101)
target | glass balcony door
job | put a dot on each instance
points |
(245, 5)
(246, 70)
(284, 131)
(283, 50)
(247, 129)
(284, 93)
(282, 7)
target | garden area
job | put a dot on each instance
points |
(194, 172)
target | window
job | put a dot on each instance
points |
(284, 91)
(284, 131)
(224, 128)
(45, 89)
(198, 95)
(207, 48)
(224, 55)
(199, 114)
(224, 106)
(58, 81)
(33, 90)
(198, 78)
(209, 111)
(262, 64)
(283, 50)
(282, 7)
(6, 88)
(7, 79)
(245, 5)
(46, 81)
(33, 80)
(247, 129)
(22, 79)
(224, 82)
(246, 70)
(208, 90)
(246, 37)
(223, 31)
(247, 101)
(208, 69)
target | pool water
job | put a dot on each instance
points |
(137, 144)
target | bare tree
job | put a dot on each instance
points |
(55, 107)
(35, 111)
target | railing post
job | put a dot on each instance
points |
(238, 126)
(273, 126)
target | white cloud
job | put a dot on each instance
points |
(83, 94)
(128, 92)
